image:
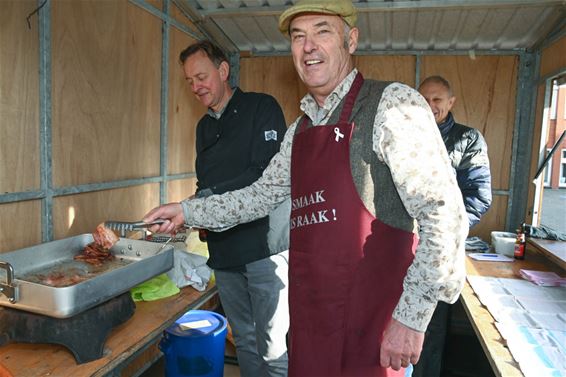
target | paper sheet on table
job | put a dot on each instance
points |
(538, 352)
(490, 257)
(531, 319)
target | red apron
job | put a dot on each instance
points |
(346, 267)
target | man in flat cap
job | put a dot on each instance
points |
(377, 220)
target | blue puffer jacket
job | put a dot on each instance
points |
(468, 153)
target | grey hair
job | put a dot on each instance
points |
(437, 80)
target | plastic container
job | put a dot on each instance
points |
(194, 345)
(504, 243)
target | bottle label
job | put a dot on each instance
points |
(519, 251)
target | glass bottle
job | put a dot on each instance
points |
(520, 244)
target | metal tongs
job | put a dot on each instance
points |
(125, 226)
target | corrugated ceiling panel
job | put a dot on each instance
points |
(530, 25)
(233, 32)
(208, 4)
(252, 24)
(429, 24)
(469, 30)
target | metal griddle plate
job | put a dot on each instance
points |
(135, 262)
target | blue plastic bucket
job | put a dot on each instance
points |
(194, 345)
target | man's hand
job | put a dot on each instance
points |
(172, 213)
(401, 346)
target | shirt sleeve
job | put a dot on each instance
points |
(406, 138)
(221, 212)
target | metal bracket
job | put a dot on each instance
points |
(9, 290)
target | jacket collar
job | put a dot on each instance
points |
(447, 125)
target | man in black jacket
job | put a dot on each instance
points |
(235, 140)
(468, 154)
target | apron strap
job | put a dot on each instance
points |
(348, 104)
(351, 98)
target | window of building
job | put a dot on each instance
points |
(550, 199)
(562, 178)
(554, 100)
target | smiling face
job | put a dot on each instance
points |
(321, 58)
(439, 99)
(208, 82)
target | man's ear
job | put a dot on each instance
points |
(451, 102)
(353, 40)
(224, 69)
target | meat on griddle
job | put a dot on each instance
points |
(62, 279)
(98, 251)
(95, 254)
(104, 236)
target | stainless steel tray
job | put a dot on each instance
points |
(135, 262)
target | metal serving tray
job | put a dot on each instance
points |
(21, 274)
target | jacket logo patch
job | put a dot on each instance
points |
(270, 135)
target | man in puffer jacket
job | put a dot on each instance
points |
(466, 147)
(468, 153)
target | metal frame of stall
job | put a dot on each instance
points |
(527, 81)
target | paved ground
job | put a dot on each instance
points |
(554, 209)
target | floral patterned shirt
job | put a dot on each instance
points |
(406, 138)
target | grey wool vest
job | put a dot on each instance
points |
(372, 177)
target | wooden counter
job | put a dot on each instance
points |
(493, 344)
(122, 349)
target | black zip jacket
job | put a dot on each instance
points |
(232, 153)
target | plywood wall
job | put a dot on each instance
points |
(19, 225)
(106, 91)
(485, 90)
(485, 87)
(19, 119)
(105, 115)
(76, 214)
(106, 67)
(181, 189)
(19, 98)
(387, 68)
(553, 58)
(275, 76)
(184, 109)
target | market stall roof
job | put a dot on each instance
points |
(392, 26)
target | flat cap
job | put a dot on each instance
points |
(342, 8)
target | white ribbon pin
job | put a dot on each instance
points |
(339, 135)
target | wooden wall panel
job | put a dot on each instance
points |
(19, 97)
(387, 68)
(19, 225)
(275, 76)
(553, 58)
(184, 110)
(106, 91)
(81, 213)
(181, 189)
(485, 90)
(493, 219)
(156, 3)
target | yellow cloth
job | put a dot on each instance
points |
(154, 289)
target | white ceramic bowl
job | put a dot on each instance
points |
(503, 243)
